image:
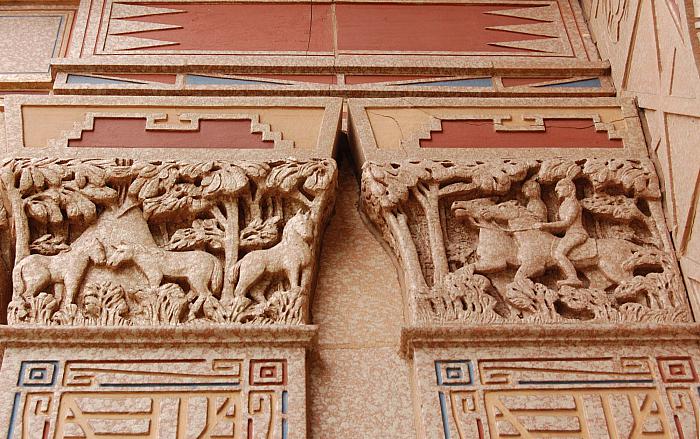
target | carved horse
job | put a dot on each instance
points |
(35, 272)
(201, 270)
(532, 250)
(290, 256)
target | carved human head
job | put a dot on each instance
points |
(565, 187)
(531, 189)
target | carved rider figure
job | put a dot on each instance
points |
(535, 205)
(571, 222)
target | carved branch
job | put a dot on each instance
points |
(267, 281)
(505, 264)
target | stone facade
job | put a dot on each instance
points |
(472, 219)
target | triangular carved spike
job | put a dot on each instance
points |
(118, 42)
(538, 13)
(118, 27)
(122, 10)
(540, 29)
(550, 45)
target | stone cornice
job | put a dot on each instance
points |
(413, 337)
(279, 336)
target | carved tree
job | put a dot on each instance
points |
(507, 253)
(70, 209)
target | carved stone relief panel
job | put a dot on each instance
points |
(129, 242)
(111, 393)
(575, 391)
(540, 241)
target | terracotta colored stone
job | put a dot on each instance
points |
(241, 27)
(558, 133)
(132, 133)
(431, 28)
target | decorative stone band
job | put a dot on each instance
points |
(122, 242)
(556, 380)
(154, 383)
(528, 241)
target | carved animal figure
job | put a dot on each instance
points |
(202, 271)
(35, 272)
(290, 256)
(533, 251)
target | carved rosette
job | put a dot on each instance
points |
(534, 241)
(123, 242)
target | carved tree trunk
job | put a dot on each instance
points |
(21, 226)
(398, 226)
(427, 196)
(231, 239)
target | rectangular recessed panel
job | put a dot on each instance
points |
(38, 36)
(433, 28)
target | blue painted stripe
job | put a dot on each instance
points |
(215, 384)
(285, 428)
(474, 82)
(84, 79)
(525, 382)
(443, 412)
(212, 80)
(13, 417)
(592, 83)
(285, 397)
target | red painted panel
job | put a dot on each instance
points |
(131, 133)
(514, 82)
(369, 79)
(421, 27)
(316, 79)
(243, 26)
(165, 79)
(559, 133)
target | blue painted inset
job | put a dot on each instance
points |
(443, 412)
(473, 82)
(285, 402)
(32, 376)
(285, 428)
(214, 384)
(525, 382)
(212, 80)
(13, 416)
(590, 83)
(83, 79)
(454, 373)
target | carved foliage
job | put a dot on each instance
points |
(528, 241)
(113, 242)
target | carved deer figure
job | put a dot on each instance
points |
(290, 256)
(35, 272)
(202, 271)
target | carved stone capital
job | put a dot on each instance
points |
(528, 241)
(123, 242)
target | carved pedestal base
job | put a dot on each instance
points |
(175, 385)
(607, 383)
